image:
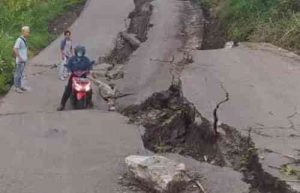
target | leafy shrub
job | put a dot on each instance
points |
(34, 13)
(275, 21)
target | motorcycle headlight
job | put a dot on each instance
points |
(87, 87)
(78, 87)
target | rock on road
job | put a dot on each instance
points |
(44, 151)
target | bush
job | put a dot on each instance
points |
(34, 13)
(275, 21)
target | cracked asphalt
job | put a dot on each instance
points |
(82, 151)
(263, 84)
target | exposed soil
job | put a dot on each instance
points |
(164, 115)
(214, 34)
(64, 21)
(192, 24)
(139, 26)
(136, 33)
(140, 19)
(174, 125)
(132, 185)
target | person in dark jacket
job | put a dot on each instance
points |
(76, 63)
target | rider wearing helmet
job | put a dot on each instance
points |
(79, 62)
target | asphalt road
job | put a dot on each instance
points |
(263, 86)
(147, 72)
(72, 151)
(83, 151)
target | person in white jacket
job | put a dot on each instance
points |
(21, 54)
(66, 51)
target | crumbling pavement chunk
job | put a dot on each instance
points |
(158, 173)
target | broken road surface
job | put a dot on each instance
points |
(81, 151)
(264, 95)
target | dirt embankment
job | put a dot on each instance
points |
(251, 21)
(64, 21)
(136, 31)
(214, 36)
(174, 125)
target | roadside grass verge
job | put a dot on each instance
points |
(273, 21)
(35, 13)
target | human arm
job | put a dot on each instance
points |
(16, 50)
(70, 64)
(88, 64)
(72, 50)
(62, 49)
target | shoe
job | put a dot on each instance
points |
(91, 105)
(19, 90)
(112, 108)
(24, 89)
(61, 108)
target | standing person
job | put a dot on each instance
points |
(77, 63)
(66, 50)
(21, 54)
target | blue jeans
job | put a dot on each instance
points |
(63, 71)
(19, 74)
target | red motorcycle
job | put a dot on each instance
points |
(81, 96)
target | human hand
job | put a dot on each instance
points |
(93, 74)
(21, 60)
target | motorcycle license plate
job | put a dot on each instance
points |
(80, 95)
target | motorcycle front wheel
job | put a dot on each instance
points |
(81, 104)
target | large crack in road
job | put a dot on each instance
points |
(135, 34)
(173, 124)
(215, 111)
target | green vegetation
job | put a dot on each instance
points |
(274, 21)
(290, 171)
(36, 14)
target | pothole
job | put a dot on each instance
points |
(174, 125)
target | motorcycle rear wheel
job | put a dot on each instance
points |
(81, 104)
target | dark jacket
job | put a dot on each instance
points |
(79, 64)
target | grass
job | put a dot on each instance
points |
(274, 21)
(34, 13)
